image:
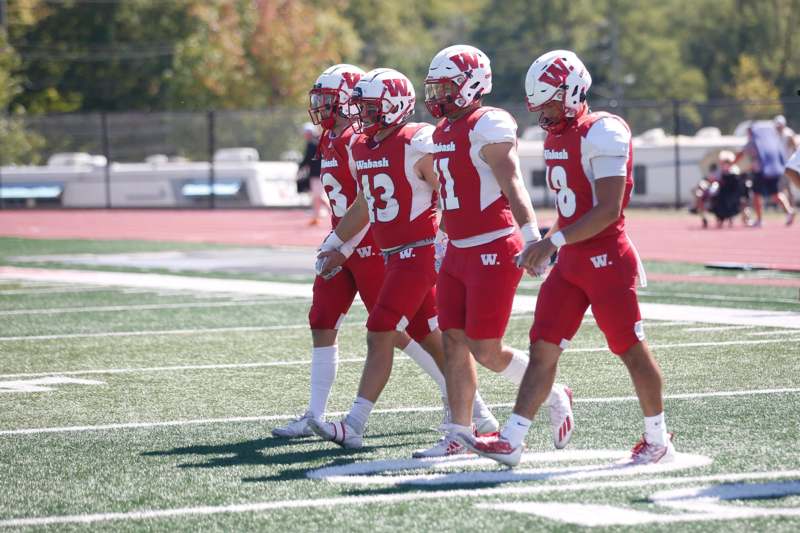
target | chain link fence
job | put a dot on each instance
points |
(30, 142)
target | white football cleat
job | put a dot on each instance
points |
(494, 447)
(562, 421)
(644, 453)
(338, 432)
(296, 428)
(446, 446)
(485, 423)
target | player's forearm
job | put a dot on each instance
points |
(593, 222)
(353, 221)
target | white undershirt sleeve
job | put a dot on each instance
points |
(607, 147)
(496, 126)
(608, 166)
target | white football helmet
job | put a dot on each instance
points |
(458, 76)
(331, 93)
(558, 76)
(384, 98)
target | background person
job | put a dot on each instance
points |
(309, 169)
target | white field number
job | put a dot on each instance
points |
(565, 197)
(392, 209)
(334, 190)
(449, 198)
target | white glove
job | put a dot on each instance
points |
(319, 266)
(440, 248)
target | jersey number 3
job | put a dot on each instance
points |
(391, 207)
(565, 197)
(334, 190)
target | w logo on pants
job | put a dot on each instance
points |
(489, 259)
(364, 251)
(405, 254)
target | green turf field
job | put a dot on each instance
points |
(162, 421)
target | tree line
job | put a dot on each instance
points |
(181, 55)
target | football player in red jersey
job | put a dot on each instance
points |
(589, 157)
(397, 201)
(330, 107)
(476, 161)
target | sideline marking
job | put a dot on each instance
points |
(358, 473)
(203, 421)
(315, 503)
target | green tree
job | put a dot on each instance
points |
(749, 83)
(17, 145)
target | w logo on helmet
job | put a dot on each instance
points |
(466, 61)
(396, 87)
(555, 74)
(351, 78)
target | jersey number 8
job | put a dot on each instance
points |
(565, 197)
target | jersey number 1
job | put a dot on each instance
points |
(449, 198)
(565, 197)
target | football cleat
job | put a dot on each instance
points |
(482, 421)
(562, 422)
(446, 446)
(493, 446)
(644, 453)
(296, 428)
(338, 432)
(485, 423)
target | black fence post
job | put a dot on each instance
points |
(107, 154)
(676, 117)
(212, 144)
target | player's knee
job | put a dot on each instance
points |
(489, 355)
(545, 354)
(452, 338)
(380, 343)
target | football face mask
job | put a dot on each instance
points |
(323, 106)
(441, 96)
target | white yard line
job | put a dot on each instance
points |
(713, 328)
(174, 368)
(205, 421)
(772, 332)
(29, 292)
(305, 362)
(158, 281)
(152, 332)
(312, 503)
(143, 307)
(522, 303)
(716, 298)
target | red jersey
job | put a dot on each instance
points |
(572, 160)
(472, 202)
(402, 206)
(337, 177)
(337, 180)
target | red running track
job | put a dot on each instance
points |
(659, 235)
